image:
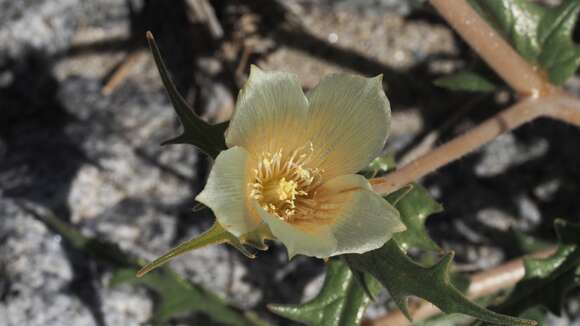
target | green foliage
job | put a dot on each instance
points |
(396, 271)
(208, 138)
(176, 295)
(341, 301)
(403, 278)
(528, 244)
(379, 166)
(465, 81)
(445, 320)
(542, 35)
(536, 313)
(215, 235)
(415, 206)
(548, 280)
(413, 203)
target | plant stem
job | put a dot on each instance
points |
(482, 284)
(504, 121)
(565, 108)
(507, 63)
(541, 97)
(559, 106)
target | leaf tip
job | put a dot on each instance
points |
(281, 310)
(142, 272)
(149, 267)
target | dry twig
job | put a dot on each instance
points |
(122, 71)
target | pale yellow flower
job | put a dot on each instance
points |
(291, 161)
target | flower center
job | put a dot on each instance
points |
(283, 182)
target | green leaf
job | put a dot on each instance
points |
(341, 301)
(444, 320)
(177, 296)
(208, 138)
(215, 235)
(465, 81)
(528, 244)
(379, 166)
(537, 314)
(343, 286)
(415, 205)
(403, 278)
(542, 35)
(548, 280)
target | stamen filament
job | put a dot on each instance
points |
(284, 184)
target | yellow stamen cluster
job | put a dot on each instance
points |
(282, 182)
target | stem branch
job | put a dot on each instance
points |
(524, 78)
(506, 120)
(560, 106)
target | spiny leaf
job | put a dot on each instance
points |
(548, 280)
(341, 301)
(542, 35)
(342, 286)
(528, 244)
(403, 278)
(415, 205)
(215, 235)
(176, 295)
(208, 138)
(465, 81)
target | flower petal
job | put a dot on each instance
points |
(317, 243)
(349, 120)
(270, 111)
(351, 218)
(366, 221)
(226, 189)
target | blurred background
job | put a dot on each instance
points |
(83, 111)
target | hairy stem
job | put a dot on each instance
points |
(491, 47)
(482, 284)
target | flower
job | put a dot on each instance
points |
(290, 163)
